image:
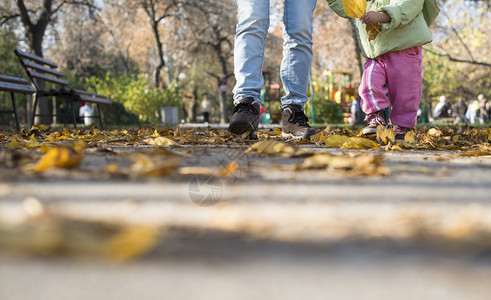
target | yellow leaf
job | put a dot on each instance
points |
(160, 141)
(229, 169)
(373, 30)
(355, 8)
(317, 161)
(385, 134)
(366, 164)
(474, 153)
(131, 243)
(58, 157)
(434, 132)
(275, 147)
(335, 140)
(359, 143)
(40, 127)
(275, 132)
(152, 166)
(410, 137)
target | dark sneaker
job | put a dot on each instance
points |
(374, 119)
(400, 132)
(294, 123)
(245, 118)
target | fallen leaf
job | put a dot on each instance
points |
(434, 132)
(359, 143)
(410, 137)
(229, 169)
(275, 147)
(160, 141)
(474, 153)
(335, 140)
(385, 134)
(131, 243)
(58, 157)
(146, 165)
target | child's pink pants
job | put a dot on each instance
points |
(399, 75)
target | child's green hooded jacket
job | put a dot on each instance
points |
(406, 29)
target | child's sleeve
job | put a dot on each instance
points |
(401, 12)
(337, 7)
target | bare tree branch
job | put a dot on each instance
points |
(458, 35)
(473, 62)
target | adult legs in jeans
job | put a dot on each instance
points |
(252, 29)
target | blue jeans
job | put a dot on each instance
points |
(250, 39)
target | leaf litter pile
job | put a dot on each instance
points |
(170, 153)
(148, 152)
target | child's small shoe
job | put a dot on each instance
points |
(400, 132)
(374, 119)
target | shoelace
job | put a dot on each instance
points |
(246, 107)
(298, 117)
(372, 118)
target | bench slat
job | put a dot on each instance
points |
(84, 97)
(94, 99)
(17, 88)
(41, 68)
(35, 58)
(41, 76)
(14, 79)
(82, 92)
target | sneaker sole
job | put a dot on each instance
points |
(240, 127)
(287, 136)
(367, 131)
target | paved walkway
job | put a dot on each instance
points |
(270, 230)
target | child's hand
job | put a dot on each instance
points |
(374, 17)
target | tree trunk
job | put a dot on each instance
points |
(357, 46)
(160, 52)
(223, 101)
(35, 35)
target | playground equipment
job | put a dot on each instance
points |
(338, 87)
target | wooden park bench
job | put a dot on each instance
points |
(15, 85)
(41, 72)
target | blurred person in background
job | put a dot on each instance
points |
(460, 110)
(484, 109)
(442, 109)
(206, 108)
(86, 112)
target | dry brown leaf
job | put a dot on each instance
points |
(385, 134)
(366, 164)
(160, 141)
(131, 243)
(275, 147)
(410, 137)
(146, 165)
(359, 143)
(474, 153)
(373, 30)
(229, 169)
(58, 157)
(335, 140)
(434, 132)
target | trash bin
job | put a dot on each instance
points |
(170, 116)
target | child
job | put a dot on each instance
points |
(394, 59)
